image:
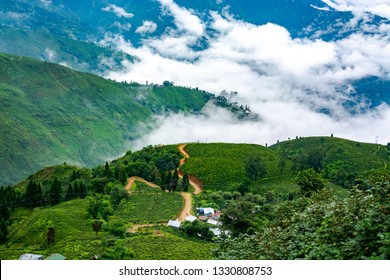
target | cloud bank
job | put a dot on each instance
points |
(298, 86)
(377, 7)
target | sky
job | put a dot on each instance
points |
(289, 82)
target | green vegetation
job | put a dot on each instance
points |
(51, 114)
(324, 226)
(169, 247)
(318, 152)
(222, 166)
(149, 205)
(290, 203)
(77, 55)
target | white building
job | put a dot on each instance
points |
(174, 224)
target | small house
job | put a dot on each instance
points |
(190, 218)
(174, 224)
(30, 257)
(213, 222)
(205, 211)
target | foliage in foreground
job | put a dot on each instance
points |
(324, 226)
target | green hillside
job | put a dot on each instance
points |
(355, 156)
(51, 114)
(221, 166)
(78, 55)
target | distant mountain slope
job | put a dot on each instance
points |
(78, 55)
(51, 114)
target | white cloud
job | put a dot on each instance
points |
(46, 3)
(376, 7)
(125, 27)
(118, 11)
(146, 27)
(50, 55)
(286, 81)
(185, 20)
(320, 8)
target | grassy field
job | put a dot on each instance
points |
(149, 205)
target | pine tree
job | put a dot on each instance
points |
(70, 193)
(55, 192)
(122, 176)
(76, 189)
(33, 195)
(175, 180)
(82, 190)
(185, 182)
(169, 182)
(163, 181)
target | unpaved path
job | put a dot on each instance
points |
(135, 228)
(131, 180)
(187, 206)
(195, 182)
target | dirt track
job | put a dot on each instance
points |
(187, 206)
(131, 180)
(195, 182)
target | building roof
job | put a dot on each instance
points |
(30, 257)
(206, 211)
(190, 218)
(213, 222)
(56, 257)
(175, 224)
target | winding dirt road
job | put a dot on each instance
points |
(131, 180)
(195, 182)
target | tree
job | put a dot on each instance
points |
(33, 196)
(50, 235)
(315, 159)
(107, 170)
(255, 168)
(167, 84)
(97, 226)
(163, 181)
(169, 182)
(242, 216)
(243, 188)
(185, 182)
(282, 162)
(175, 180)
(309, 181)
(70, 193)
(3, 231)
(55, 192)
(99, 208)
(83, 192)
(117, 195)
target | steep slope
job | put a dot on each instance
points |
(51, 114)
(83, 56)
